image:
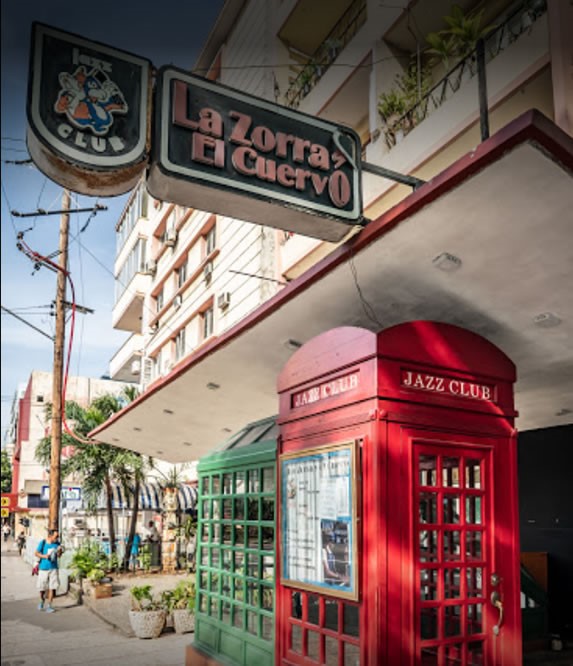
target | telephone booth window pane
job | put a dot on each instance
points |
(268, 567)
(239, 508)
(451, 472)
(430, 656)
(428, 545)
(214, 611)
(227, 484)
(203, 603)
(239, 562)
(296, 638)
(474, 582)
(428, 508)
(351, 620)
(428, 468)
(473, 473)
(452, 620)
(238, 617)
(227, 509)
(252, 509)
(475, 619)
(268, 509)
(428, 584)
(474, 545)
(215, 557)
(268, 597)
(331, 650)
(331, 615)
(313, 645)
(216, 484)
(351, 655)
(473, 510)
(226, 612)
(206, 512)
(205, 532)
(268, 534)
(429, 623)
(226, 534)
(452, 541)
(454, 654)
(268, 480)
(312, 608)
(267, 628)
(452, 580)
(253, 536)
(451, 509)
(253, 595)
(239, 535)
(475, 654)
(252, 623)
(225, 586)
(253, 565)
(296, 605)
(205, 485)
(204, 555)
(254, 481)
(240, 482)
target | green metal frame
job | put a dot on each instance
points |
(236, 554)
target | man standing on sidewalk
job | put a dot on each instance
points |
(48, 552)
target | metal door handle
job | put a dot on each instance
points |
(497, 603)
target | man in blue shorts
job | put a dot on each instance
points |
(48, 552)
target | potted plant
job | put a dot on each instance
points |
(147, 615)
(101, 583)
(180, 602)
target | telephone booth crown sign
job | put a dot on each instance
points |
(397, 492)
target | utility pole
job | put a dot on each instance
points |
(58, 369)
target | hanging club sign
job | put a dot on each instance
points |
(212, 147)
(88, 113)
(221, 150)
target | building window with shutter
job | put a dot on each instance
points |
(207, 323)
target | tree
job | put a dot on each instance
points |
(6, 472)
(98, 464)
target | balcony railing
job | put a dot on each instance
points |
(316, 67)
(515, 25)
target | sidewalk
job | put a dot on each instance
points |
(96, 633)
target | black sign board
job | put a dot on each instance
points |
(88, 112)
(221, 150)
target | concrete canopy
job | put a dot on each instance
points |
(505, 211)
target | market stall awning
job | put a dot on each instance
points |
(502, 211)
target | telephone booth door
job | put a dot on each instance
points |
(460, 603)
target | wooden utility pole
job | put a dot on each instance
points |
(58, 369)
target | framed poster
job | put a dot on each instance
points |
(318, 520)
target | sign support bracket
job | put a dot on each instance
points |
(412, 181)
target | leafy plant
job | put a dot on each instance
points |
(96, 575)
(142, 598)
(89, 557)
(145, 557)
(181, 597)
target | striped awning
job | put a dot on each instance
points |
(150, 497)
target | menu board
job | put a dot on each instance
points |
(318, 519)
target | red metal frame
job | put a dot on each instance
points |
(461, 404)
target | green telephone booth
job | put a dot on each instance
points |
(234, 617)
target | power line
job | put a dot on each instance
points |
(39, 330)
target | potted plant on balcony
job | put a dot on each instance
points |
(180, 602)
(147, 615)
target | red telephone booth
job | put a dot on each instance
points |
(398, 515)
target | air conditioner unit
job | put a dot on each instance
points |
(135, 366)
(208, 271)
(177, 301)
(151, 267)
(224, 300)
(170, 237)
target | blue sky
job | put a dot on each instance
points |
(168, 32)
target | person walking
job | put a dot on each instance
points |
(21, 542)
(48, 552)
(6, 531)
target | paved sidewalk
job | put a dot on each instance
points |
(74, 635)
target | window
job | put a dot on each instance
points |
(207, 323)
(180, 345)
(236, 559)
(160, 300)
(181, 275)
(134, 263)
(210, 240)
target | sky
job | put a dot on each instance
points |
(167, 32)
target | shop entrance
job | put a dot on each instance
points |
(428, 570)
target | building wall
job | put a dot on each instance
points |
(546, 514)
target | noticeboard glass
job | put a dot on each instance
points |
(318, 520)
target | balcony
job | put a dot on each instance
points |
(317, 51)
(125, 366)
(128, 309)
(400, 117)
